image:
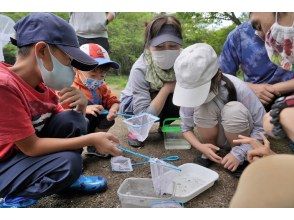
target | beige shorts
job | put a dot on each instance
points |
(232, 117)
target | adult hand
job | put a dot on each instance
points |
(259, 149)
(112, 114)
(94, 109)
(74, 98)
(265, 92)
(230, 162)
(209, 151)
(169, 86)
(106, 143)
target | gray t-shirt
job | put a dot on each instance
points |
(137, 90)
(89, 24)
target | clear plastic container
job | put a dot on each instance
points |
(173, 137)
(138, 193)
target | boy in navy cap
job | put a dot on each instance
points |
(40, 142)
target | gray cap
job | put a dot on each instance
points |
(168, 32)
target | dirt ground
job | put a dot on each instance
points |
(219, 195)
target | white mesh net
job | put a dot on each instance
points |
(140, 125)
(163, 175)
(121, 164)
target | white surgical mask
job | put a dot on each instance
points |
(165, 59)
(279, 43)
(60, 77)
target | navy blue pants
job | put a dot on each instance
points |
(36, 177)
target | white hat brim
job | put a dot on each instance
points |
(191, 97)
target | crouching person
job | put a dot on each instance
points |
(40, 143)
(99, 95)
(220, 106)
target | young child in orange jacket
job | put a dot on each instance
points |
(99, 95)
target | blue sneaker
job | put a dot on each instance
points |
(17, 202)
(89, 184)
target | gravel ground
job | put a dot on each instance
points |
(217, 196)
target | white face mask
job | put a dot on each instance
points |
(60, 77)
(279, 43)
(165, 59)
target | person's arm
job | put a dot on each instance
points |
(286, 120)
(33, 146)
(113, 112)
(141, 93)
(265, 92)
(110, 17)
(187, 125)
(159, 101)
(229, 59)
(284, 87)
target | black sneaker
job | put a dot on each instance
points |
(238, 172)
(91, 151)
(203, 161)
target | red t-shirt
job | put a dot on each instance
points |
(24, 110)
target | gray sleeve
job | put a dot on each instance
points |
(187, 119)
(248, 98)
(141, 92)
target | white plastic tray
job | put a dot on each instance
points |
(193, 180)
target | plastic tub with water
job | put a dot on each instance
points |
(138, 193)
(173, 137)
(190, 182)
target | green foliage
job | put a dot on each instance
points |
(9, 52)
(126, 36)
(195, 29)
(116, 82)
(126, 33)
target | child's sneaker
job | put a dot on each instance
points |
(132, 141)
(91, 151)
(89, 184)
(16, 202)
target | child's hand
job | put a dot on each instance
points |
(111, 115)
(73, 98)
(230, 162)
(258, 149)
(106, 143)
(209, 151)
(94, 109)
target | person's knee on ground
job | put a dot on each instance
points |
(56, 172)
(235, 119)
(207, 122)
(73, 168)
(268, 182)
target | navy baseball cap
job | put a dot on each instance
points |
(168, 32)
(53, 30)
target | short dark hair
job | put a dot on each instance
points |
(25, 50)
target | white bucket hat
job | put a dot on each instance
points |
(194, 69)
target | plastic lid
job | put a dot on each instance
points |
(171, 128)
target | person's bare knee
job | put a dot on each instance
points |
(208, 135)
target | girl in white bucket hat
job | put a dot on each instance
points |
(220, 106)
